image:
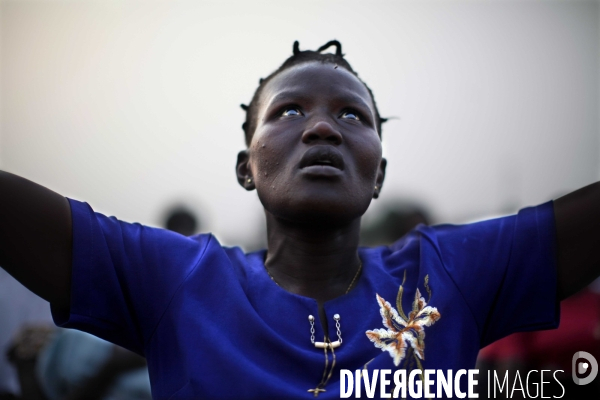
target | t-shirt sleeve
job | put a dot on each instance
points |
(505, 269)
(124, 276)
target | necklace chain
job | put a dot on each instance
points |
(355, 277)
(349, 286)
(326, 344)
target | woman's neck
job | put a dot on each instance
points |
(310, 261)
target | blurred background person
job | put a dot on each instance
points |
(78, 366)
(552, 350)
(182, 220)
(18, 308)
(391, 222)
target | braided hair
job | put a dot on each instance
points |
(299, 57)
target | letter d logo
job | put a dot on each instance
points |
(583, 367)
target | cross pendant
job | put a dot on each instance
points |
(316, 391)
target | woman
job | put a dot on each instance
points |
(214, 322)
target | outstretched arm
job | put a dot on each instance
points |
(577, 218)
(35, 238)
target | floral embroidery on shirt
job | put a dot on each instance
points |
(404, 332)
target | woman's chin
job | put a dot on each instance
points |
(319, 211)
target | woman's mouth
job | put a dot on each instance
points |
(322, 157)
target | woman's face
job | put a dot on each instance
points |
(315, 154)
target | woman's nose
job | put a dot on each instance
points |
(322, 130)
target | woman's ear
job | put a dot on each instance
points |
(243, 171)
(380, 178)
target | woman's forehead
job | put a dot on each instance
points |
(313, 79)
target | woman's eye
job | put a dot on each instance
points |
(290, 112)
(350, 115)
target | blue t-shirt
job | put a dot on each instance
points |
(212, 324)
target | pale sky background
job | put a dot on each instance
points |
(133, 106)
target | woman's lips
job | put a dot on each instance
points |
(321, 170)
(322, 158)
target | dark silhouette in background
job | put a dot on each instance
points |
(181, 220)
(392, 223)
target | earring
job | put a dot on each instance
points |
(376, 187)
(249, 180)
